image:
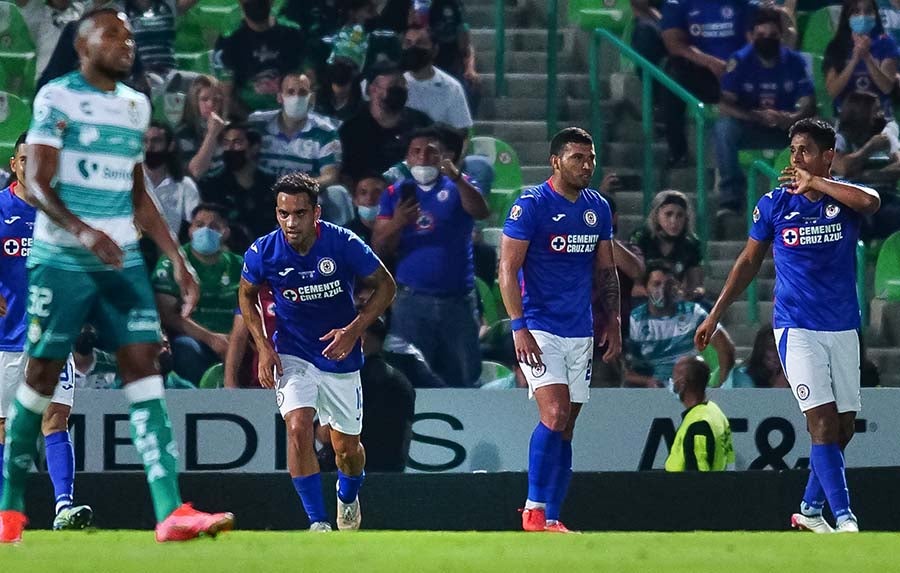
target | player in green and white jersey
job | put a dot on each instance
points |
(84, 173)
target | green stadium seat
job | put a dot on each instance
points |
(783, 160)
(613, 15)
(19, 69)
(198, 30)
(14, 36)
(199, 62)
(488, 304)
(496, 376)
(823, 100)
(819, 30)
(507, 172)
(214, 377)
(887, 270)
(15, 115)
(746, 157)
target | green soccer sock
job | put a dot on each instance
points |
(23, 426)
(151, 433)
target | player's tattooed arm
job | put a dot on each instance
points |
(607, 281)
(40, 170)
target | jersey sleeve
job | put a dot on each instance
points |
(388, 202)
(674, 15)
(252, 271)
(190, 198)
(521, 222)
(731, 79)
(606, 227)
(801, 71)
(48, 120)
(330, 151)
(763, 228)
(360, 256)
(163, 280)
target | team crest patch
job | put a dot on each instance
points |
(590, 218)
(515, 212)
(425, 222)
(802, 391)
(727, 12)
(558, 243)
(538, 371)
(695, 29)
(327, 266)
(832, 211)
(756, 215)
(443, 195)
(279, 398)
(290, 295)
(791, 237)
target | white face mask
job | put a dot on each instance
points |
(424, 174)
(295, 107)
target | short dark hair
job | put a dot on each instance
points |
(253, 136)
(20, 140)
(698, 372)
(430, 132)
(216, 208)
(657, 265)
(452, 139)
(173, 163)
(368, 174)
(768, 15)
(297, 183)
(569, 135)
(819, 131)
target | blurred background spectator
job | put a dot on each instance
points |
(175, 193)
(763, 368)
(45, 20)
(244, 190)
(366, 197)
(339, 95)
(201, 340)
(201, 127)
(662, 331)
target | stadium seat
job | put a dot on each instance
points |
(488, 303)
(507, 172)
(19, 69)
(198, 62)
(14, 36)
(746, 157)
(711, 358)
(823, 100)
(496, 376)
(783, 160)
(887, 270)
(819, 30)
(198, 30)
(15, 115)
(214, 377)
(613, 15)
(492, 236)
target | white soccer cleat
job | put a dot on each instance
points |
(348, 514)
(848, 526)
(814, 523)
(320, 526)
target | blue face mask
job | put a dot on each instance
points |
(367, 213)
(206, 241)
(862, 24)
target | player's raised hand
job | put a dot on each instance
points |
(797, 181)
(2, 306)
(269, 366)
(101, 245)
(342, 343)
(186, 278)
(527, 349)
(705, 333)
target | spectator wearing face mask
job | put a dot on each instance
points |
(201, 340)
(253, 59)
(175, 193)
(432, 91)
(425, 226)
(765, 90)
(366, 196)
(242, 188)
(296, 139)
(375, 139)
(662, 331)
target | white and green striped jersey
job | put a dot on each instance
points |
(657, 342)
(100, 139)
(315, 147)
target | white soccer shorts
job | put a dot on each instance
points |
(821, 367)
(12, 373)
(337, 398)
(566, 361)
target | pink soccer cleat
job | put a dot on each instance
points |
(11, 525)
(187, 523)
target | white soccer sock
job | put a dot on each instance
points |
(534, 504)
(29, 397)
(144, 389)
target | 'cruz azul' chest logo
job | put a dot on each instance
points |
(590, 218)
(327, 266)
(573, 243)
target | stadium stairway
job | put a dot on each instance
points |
(520, 120)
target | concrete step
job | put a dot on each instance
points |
(727, 250)
(631, 153)
(888, 362)
(515, 107)
(628, 223)
(719, 269)
(737, 313)
(535, 174)
(484, 16)
(534, 85)
(528, 62)
(520, 39)
(765, 287)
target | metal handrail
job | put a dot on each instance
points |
(760, 167)
(500, 49)
(552, 107)
(702, 113)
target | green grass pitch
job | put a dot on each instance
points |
(417, 552)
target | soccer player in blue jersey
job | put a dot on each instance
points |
(813, 223)
(557, 241)
(16, 230)
(311, 267)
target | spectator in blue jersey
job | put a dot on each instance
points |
(425, 225)
(662, 331)
(861, 57)
(699, 36)
(645, 38)
(866, 152)
(312, 267)
(890, 17)
(765, 90)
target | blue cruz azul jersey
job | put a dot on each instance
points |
(814, 247)
(16, 227)
(435, 252)
(313, 292)
(759, 87)
(558, 273)
(716, 27)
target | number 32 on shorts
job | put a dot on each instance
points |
(39, 298)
